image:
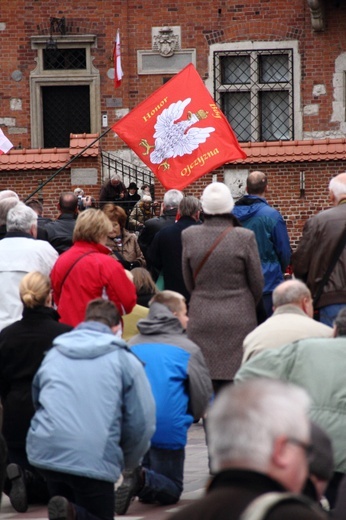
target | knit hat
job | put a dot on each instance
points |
(146, 198)
(322, 460)
(217, 199)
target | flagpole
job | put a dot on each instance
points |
(67, 164)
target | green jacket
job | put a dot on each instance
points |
(319, 366)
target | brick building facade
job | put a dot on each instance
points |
(276, 67)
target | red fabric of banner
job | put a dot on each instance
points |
(179, 132)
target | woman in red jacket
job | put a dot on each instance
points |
(87, 271)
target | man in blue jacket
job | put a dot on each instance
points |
(270, 230)
(182, 388)
(94, 415)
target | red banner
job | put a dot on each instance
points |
(179, 132)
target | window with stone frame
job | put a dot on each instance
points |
(254, 89)
(64, 91)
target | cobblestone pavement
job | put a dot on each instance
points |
(196, 475)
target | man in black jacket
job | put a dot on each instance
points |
(60, 231)
(170, 206)
(166, 250)
(259, 438)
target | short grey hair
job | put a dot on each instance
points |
(340, 323)
(5, 194)
(247, 417)
(290, 291)
(21, 218)
(337, 186)
(189, 206)
(5, 206)
(172, 199)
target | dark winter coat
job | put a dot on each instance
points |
(166, 254)
(231, 491)
(224, 295)
(60, 232)
(22, 348)
(315, 251)
(152, 226)
(110, 193)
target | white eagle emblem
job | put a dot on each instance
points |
(176, 139)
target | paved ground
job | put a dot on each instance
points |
(195, 478)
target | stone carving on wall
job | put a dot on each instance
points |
(165, 42)
(166, 55)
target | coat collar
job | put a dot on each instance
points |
(245, 478)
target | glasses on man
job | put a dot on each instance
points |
(308, 448)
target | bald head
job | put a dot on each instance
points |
(256, 183)
(68, 202)
(337, 188)
(293, 292)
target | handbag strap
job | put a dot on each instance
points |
(211, 249)
(338, 250)
(72, 266)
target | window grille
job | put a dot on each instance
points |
(255, 91)
(64, 59)
(66, 110)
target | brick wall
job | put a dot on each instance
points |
(202, 22)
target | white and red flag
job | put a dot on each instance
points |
(118, 71)
(5, 144)
(179, 132)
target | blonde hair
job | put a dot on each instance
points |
(172, 300)
(34, 289)
(91, 226)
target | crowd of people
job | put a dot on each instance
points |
(124, 321)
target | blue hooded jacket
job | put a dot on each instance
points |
(95, 411)
(178, 375)
(271, 234)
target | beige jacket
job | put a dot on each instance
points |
(288, 323)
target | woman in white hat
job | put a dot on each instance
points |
(222, 271)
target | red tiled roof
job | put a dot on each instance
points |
(295, 151)
(80, 141)
(49, 158)
(266, 152)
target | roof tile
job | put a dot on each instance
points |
(49, 158)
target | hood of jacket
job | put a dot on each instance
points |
(160, 320)
(248, 206)
(88, 340)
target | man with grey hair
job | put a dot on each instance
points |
(318, 365)
(166, 250)
(259, 438)
(5, 205)
(292, 320)
(316, 249)
(171, 201)
(20, 253)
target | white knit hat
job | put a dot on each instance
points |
(217, 199)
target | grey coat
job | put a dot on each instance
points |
(224, 295)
